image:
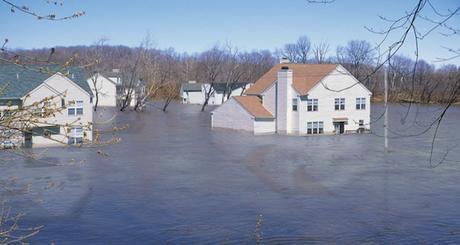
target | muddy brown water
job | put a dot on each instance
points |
(174, 180)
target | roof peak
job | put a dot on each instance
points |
(305, 77)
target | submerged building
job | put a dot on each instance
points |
(299, 99)
(44, 106)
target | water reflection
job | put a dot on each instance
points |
(173, 179)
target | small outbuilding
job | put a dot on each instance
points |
(247, 114)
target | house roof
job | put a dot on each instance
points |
(218, 86)
(17, 81)
(190, 87)
(253, 105)
(305, 77)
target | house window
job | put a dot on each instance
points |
(75, 108)
(79, 107)
(312, 104)
(71, 108)
(361, 123)
(63, 103)
(339, 104)
(294, 104)
(360, 103)
(315, 127)
(76, 136)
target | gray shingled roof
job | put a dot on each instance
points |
(16, 81)
(191, 87)
(218, 86)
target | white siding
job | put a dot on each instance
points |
(51, 87)
(295, 114)
(193, 97)
(264, 127)
(232, 115)
(106, 90)
(326, 112)
(269, 99)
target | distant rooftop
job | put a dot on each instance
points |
(218, 86)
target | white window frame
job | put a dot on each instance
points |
(75, 108)
(316, 127)
(360, 103)
(76, 135)
(312, 104)
(339, 104)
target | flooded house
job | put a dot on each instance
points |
(195, 93)
(105, 88)
(54, 105)
(299, 99)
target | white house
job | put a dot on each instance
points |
(60, 105)
(104, 90)
(192, 93)
(299, 99)
(132, 92)
(195, 93)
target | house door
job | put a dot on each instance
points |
(27, 140)
(339, 127)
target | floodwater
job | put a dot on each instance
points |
(174, 180)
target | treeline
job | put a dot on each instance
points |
(162, 70)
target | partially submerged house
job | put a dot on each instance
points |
(299, 99)
(195, 93)
(192, 92)
(104, 89)
(110, 90)
(56, 105)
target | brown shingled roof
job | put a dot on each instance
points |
(253, 105)
(305, 77)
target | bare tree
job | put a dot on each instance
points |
(131, 78)
(396, 34)
(93, 60)
(210, 67)
(320, 52)
(358, 56)
(298, 52)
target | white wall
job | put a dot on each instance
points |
(264, 127)
(106, 89)
(326, 112)
(232, 115)
(193, 97)
(216, 98)
(294, 122)
(269, 99)
(58, 84)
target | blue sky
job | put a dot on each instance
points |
(193, 26)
